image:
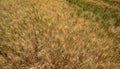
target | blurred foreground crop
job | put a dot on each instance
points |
(59, 34)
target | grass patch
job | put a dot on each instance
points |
(106, 15)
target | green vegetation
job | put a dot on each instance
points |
(59, 34)
(106, 14)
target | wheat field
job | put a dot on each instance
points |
(59, 34)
